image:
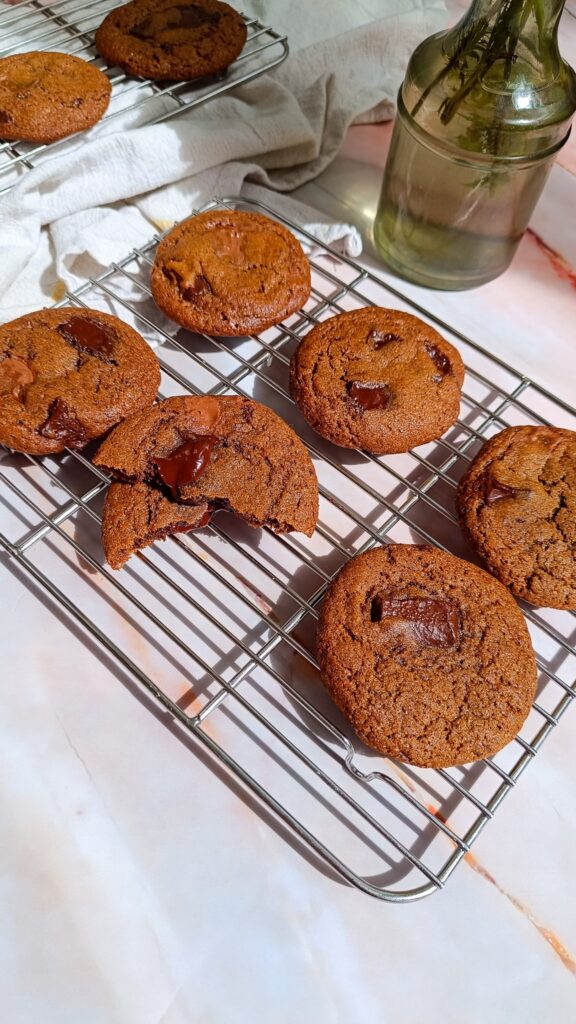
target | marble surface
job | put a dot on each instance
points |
(139, 887)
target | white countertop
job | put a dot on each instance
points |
(140, 887)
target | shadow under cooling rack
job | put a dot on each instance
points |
(228, 614)
(68, 26)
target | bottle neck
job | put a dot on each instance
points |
(495, 83)
(511, 30)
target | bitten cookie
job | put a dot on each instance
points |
(200, 454)
(230, 273)
(517, 506)
(47, 96)
(377, 379)
(136, 515)
(428, 656)
(172, 39)
(67, 375)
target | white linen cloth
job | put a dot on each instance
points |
(112, 188)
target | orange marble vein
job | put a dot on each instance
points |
(404, 778)
(559, 264)
(549, 936)
(437, 814)
(139, 648)
(262, 604)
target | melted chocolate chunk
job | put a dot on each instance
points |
(441, 362)
(186, 463)
(62, 425)
(381, 338)
(15, 376)
(494, 491)
(91, 336)
(5, 117)
(370, 396)
(490, 490)
(187, 16)
(200, 286)
(434, 622)
(204, 520)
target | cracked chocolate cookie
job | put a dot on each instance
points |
(172, 39)
(517, 507)
(67, 375)
(377, 379)
(230, 273)
(47, 96)
(428, 656)
(187, 457)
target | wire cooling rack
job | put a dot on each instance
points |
(69, 26)
(228, 614)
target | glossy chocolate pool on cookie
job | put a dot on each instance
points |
(435, 623)
(89, 335)
(441, 362)
(186, 463)
(495, 492)
(62, 425)
(381, 338)
(370, 396)
(491, 490)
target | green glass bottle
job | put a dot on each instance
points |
(482, 112)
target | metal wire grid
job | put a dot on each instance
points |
(234, 609)
(69, 26)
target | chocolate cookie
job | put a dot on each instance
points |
(68, 375)
(47, 96)
(230, 273)
(136, 515)
(206, 453)
(172, 39)
(517, 506)
(377, 379)
(426, 655)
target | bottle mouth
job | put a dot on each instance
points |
(470, 157)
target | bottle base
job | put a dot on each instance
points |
(438, 282)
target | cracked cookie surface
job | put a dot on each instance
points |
(377, 379)
(428, 656)
(172, 39)
(46, 96)
(67, 375)
(517, 506)
(190, 456)
(230, 273)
